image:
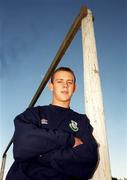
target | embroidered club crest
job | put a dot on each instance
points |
(74, 126)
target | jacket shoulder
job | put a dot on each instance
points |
(80, 115)
(31, 114)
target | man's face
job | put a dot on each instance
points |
(63, 86)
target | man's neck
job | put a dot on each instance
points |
(61, 104)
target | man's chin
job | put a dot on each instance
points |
(65, 99)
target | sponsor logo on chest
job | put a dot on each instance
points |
(44, 121)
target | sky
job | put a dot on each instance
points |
(31, 32)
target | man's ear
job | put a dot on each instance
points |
(75, 88)
(50, 86)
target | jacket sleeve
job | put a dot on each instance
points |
(80, 161)
(30, 140)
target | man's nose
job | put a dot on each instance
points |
(65, 84)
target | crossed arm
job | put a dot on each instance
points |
(60, 149)
(31, 141)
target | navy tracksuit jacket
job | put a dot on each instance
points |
(43, 145)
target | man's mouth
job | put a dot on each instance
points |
(64, 92)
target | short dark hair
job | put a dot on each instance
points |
(63, 69)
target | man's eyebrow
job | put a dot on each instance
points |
(70, 80)
(63, 79)
(59, 79)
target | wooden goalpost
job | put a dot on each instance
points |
(93, 96)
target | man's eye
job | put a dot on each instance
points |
(59, 81)
(70, 82)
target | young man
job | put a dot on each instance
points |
(54, 142)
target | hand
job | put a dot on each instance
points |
(78, 141)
